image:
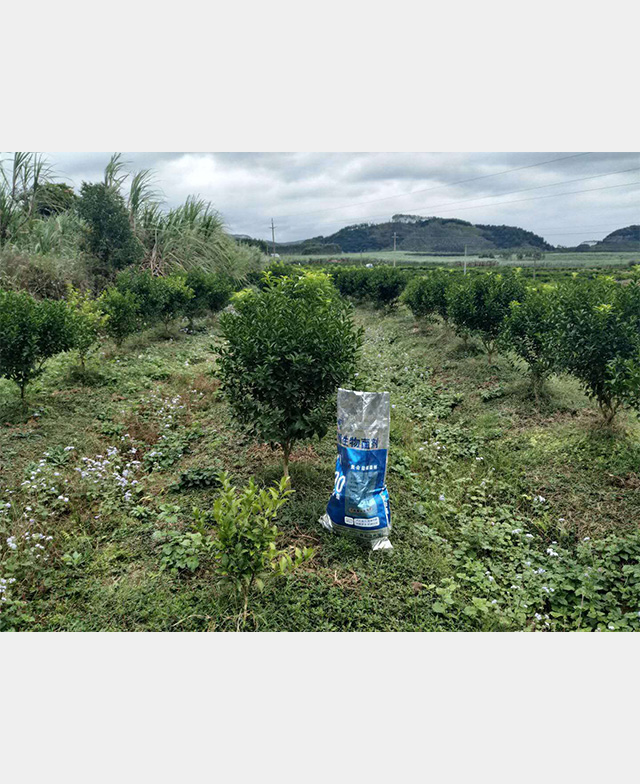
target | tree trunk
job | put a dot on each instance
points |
(489, 347)
(537, 384)
(609, 409)
(286, 451)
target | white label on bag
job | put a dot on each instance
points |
(367, 522)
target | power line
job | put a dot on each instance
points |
(571, 233)
(436, 187)
(446, 205)
(535, 188)
(531, 198)
(553, 195)
(588, 228)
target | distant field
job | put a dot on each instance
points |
(549, 260)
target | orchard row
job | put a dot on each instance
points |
(32, 330)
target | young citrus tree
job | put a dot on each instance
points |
(528, 331)
(246, 536)
(121, 309)
(142, 284)
(288, 348)
(160, 298)
(172, 297)
(426, 295)
(597, 326)
(351, 281)
(87, 320)
(384, 285)
(31, 331)
(211, 292)
(479, 303)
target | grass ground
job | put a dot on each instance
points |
(471, 455)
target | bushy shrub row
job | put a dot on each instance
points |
(587, 328)
(478, 304)
(33, 330)
(426, 295)
(211, 293)
(141, 299)
(595, 328)
(158, 299)
(381, 285)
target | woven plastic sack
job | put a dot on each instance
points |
(359, 504)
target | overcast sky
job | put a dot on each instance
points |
(309, 193)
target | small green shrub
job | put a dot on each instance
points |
(88, 321)
(381, 285)
(427, 295)
(211, 292)
(598, 340)
(31, 332)
(246, 536)
(528, 331)
(121, 309)
(172, 297)
(287, 350)
(159, 298)
(143, 285)
(479, 303)
(385, 285)
(351, 281)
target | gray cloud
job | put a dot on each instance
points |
(317, 193)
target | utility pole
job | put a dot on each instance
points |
(273, 236)
(465, 260)
(394, 247)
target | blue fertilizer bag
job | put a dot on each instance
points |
(359, 504)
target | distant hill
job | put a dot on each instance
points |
(624, 239)
(422, 235)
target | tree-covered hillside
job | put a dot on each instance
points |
(426, 235)
(627, 238)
